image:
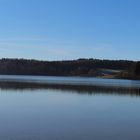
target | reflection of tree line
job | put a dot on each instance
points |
(81, 89)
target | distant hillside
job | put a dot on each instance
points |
(136, 71)
(80, 67)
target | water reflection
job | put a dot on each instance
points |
(45, 111)
(80, 89)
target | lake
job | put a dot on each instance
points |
(68, 108)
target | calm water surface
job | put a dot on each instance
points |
(63, 114)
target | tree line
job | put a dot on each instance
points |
(80, 67)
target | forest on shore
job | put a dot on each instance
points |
(80, 67)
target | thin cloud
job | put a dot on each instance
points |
(103, 47)
(3, 40)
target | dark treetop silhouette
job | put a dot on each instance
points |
(80, 67)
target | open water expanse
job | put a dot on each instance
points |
(68, 108)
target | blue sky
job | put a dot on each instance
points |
(70, 29)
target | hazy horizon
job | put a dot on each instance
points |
(20, 58)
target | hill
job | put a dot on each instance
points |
(80, 67)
